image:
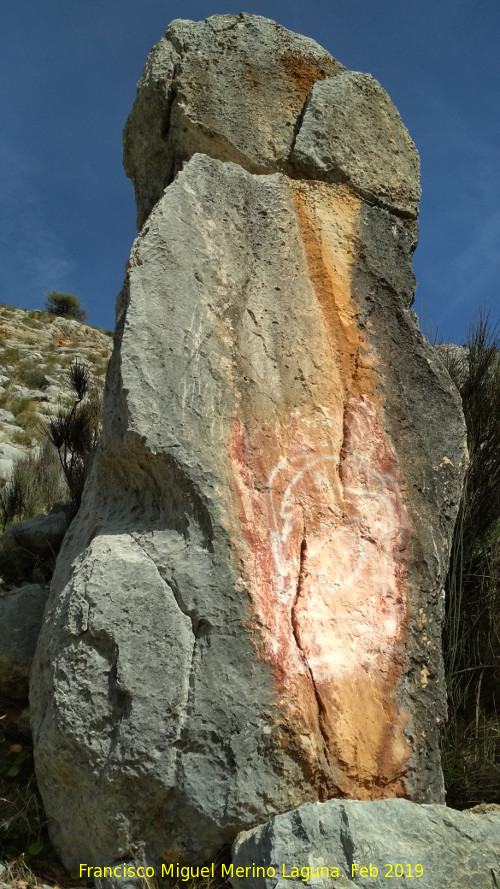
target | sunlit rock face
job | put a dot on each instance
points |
(246, 612)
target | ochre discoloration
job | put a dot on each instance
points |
(302, 74)
(328, 222)
(325, 525)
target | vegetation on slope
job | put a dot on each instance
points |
(471, 740)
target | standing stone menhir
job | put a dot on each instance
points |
(246, 612)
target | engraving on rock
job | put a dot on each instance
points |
(349, 552)
(352, 517)
(326, 532)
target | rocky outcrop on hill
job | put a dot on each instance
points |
(246, 612)
(367, 844)
(36, 350)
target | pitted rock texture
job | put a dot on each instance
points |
(232, 87)
(246, 612)
(352, 132)
(357, 842)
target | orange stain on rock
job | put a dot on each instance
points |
(303, 74)
(325, 524)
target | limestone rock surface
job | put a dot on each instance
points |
(455, 850)
(246, 612)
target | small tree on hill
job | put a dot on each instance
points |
(64, 304)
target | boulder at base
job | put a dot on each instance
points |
(344, 843)
(246, 611)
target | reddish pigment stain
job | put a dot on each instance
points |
(325, 537)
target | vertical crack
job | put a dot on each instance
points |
(296, 633)
(346, 841)
(121, 702)
(297, 127)
(200, 627)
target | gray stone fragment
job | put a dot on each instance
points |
(351, 132)
(41, 535)
(389, 839)
(25, 392)
(7, 416)
(9, 455)
(21, 613)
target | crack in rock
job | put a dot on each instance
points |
(296, 634)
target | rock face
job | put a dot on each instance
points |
(332, 142)
(39, 536)
(365, 844)
(246, 612)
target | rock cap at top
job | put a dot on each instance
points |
(242, 88)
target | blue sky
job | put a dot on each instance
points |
(67, 83)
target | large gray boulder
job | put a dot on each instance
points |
(246, 611)
(344, 843)
(40, 536)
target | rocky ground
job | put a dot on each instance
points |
(36, 351)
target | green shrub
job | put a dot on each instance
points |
(29, 373)
(16, 404)
(25, 437)
(19, 564)
(37, 483)
(9, 355)
(25, 411)
(471, 639)
(100, 363)
(24, 843)
(64, 304)
(75, 430)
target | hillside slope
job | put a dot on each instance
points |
(36, 350)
